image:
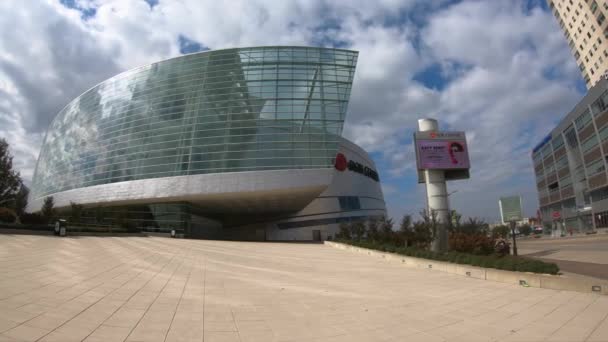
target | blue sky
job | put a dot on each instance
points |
(499, 70)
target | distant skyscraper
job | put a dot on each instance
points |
(585, 25)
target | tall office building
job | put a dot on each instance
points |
(586, 28)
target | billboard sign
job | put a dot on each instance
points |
(510, 208)
(442, 151)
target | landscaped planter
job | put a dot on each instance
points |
(528, 279)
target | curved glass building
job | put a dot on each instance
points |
(168, 134)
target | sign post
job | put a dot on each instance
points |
(440, 156)
(511, 211)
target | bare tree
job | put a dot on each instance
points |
(10, 181)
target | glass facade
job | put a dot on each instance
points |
(261, 108)
(157, 217)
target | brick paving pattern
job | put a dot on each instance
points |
(160, 289)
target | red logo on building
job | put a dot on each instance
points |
(433, 135)
(341, 163)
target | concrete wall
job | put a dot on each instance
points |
(326, 205)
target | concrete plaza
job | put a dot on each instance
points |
(161, 289)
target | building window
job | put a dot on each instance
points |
(349, 202)
(553, 187)
(546, 150)
(582, 120)
(595, 167)
(566, 181)
(577, 55)
(593, 6)
(586, 59)
(603, 133)
(589, 144)
(591, 70)
(592, 27)
(558, 142)
(600, 19)
(599, 105)
(588, 34)
(571, 139)
(599, 194)
(562, 162)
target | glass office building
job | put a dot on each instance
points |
(570, 167)
(216, 112)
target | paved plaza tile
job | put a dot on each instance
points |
(161, 289)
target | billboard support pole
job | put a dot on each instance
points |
(436, 194)
(512, 224)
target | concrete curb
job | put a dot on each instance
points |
(545, 281)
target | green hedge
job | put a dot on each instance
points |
(507, 262)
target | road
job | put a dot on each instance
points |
(586, 255)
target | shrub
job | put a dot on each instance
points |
(502, 247)
(507, 262)
(7, 215)
(344, 232)
(35, 218)
(476, 243)
(358, 229)
(501, 232)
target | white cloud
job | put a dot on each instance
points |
(495, 56)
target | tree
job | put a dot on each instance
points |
(405, 229)
(472, 226)
(525, 229)
(455, 218)
(48, 209)
(386, 228)
(358, 228)
(372, 229)
(501, 231)
(344, 231)
(9, 179)
(425, 231)
(76, 212)
(21, 200)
